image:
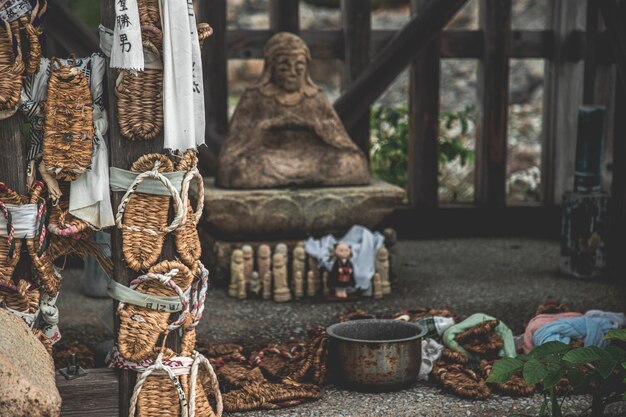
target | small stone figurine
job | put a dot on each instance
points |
(382, 268)
(341, 276)
(264, 260)
(298, 264)
(267, 285)
(248, 264)
(317, 276)
(310, 284)
(236, 270)
(255, 284)
(378, 286)
(281, 289)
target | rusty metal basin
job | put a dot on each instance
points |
(376, 355)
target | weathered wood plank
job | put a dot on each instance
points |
(493, 103)
(423, 144)
(591, 30)
(94, 395)
(215, 78)
(285, 16)
(356, 39)
(563, 92)
(328, 44)
(394, 58)
(13, 154)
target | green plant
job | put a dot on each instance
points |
(600, 371)
(390, 132)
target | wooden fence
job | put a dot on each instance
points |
(580, 69)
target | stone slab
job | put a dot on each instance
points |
(289, 213)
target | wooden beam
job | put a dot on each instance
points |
(13, 155)
(357, 20)
(123, 154)
(394, 58)
(285, 16)
(590, 52)
(493, 103)
(423, 178)
(613, 16)
(563, 92)
(94, 395)
(328, 44)
(215, 78)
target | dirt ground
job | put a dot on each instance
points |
(505, 278)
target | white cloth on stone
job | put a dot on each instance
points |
(183, 92)
(89, 194)
(127, 46)
(431, 351)
(364, 244)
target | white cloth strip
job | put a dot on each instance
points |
(180, 365)
(150, 59)
(183, 91)
(127, 295)
(127, 47)
(121, 180)
(11, 10)
(89, 194)
(24, 219)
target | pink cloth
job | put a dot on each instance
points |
(538, 322)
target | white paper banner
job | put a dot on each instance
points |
(127, 48)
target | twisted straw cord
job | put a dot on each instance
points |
(180, 208)
(199, 360)
(191, 174)
(158, 366)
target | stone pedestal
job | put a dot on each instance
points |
(275, 214)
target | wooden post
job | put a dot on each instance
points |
(394, 58)
(356, 15)
(493, 102)
(424, 122)
(590, 52)
(563, 93)
(123, 154)
(13, 155)
(285, 16)
(215, 77)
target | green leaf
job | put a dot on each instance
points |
(553, 375)
(534, 372)
(577, 379)
(606, 363)
(618, 354)
(581, 355)
(550, 348)
(503, 369)
(616, 334)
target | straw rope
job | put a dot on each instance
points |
(34, 47)
(68, 124)
(63, 223)
(11, 67)
(22, 297)
(515, 386)
(460, 380)
(187, 238)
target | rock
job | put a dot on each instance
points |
(27, 382)
(296, 213)
(285, 131)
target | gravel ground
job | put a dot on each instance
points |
(506, 278)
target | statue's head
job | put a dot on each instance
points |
(343, 251)
(287, 60)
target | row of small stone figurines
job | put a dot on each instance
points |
(271, 278)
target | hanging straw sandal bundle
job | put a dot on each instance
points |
(62, 223)
(68, 124)
(12, 66)
(140, 94)
(169, 384)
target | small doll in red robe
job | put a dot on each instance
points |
(341, 277)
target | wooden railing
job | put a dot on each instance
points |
(575, 58)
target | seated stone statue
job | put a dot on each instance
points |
(285, 131)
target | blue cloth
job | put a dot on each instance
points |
(591, 329)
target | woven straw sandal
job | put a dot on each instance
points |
(477, 331)
(488, 344)
(11, 69)
(10, 248)
(68, 124)
(143, 217)
(460, 380)
(187, 239)
(140, 328)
